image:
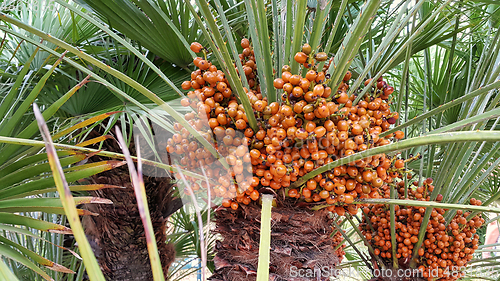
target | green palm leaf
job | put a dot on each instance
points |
(163, 29)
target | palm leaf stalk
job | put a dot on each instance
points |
(67, 201)
(142, 205)
(265, 238)
(262, 39)
(200, 226)
(241, 194)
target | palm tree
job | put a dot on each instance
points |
(369, 39)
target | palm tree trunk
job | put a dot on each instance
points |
(301, 244)
(117, 234)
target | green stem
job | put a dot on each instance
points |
(232, 45)
(349, 48)
(220, 50)
(454, 137)
(334, 31)
(142, 206)
(346, 237)
(396, 28)
(393, 228)
(428, 204)
(265, 238)
(465, 136)
(464, 123)
(322, 7)
(68, 202)
(367, 243)
(257, 48)
(7, 100)
(300, 17)
(277, 36)
(441, 108)
(288, 31)
(266, 50)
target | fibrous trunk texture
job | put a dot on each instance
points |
(301, 244)
(117, 233)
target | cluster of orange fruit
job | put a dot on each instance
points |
(447, 247)
(310, 127)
